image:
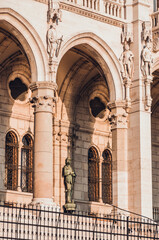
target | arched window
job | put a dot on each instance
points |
(27, 164)
(93, 174)
(11, 161)
(107, 177)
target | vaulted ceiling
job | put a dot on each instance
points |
(10, 48)
(78, 69)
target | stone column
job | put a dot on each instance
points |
(118, 121)
(43, 99)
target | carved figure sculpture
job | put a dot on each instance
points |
(146, 57)
(127, 62)
(53, 43)
(69, 176)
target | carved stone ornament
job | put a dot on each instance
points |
(43, 103)
(127, 70)
(146, 59)
(118, 117)
(69, 179)
(127, 33)
(127, 62)
(53, 42)
(146, 31)
(156, 44)
(118, 120)
(54, 13)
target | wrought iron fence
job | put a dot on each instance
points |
(44, 223)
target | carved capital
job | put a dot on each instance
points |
(43, 103)
(118, 117)
(44, 96)
(118, 120)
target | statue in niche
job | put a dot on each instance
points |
(146, 59)
(69, 178)
(53, 42)
(127, 62)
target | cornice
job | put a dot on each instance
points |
(42, 1)
(90, 14)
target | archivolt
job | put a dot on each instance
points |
(29, 39)
(107, 60)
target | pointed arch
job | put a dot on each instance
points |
(107, 60)
(30, 41)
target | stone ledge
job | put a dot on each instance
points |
(15, 196)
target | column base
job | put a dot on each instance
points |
(46, 202)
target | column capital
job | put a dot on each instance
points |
(118, 117)
(44, 96)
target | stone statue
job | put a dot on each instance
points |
(146, 59)
(53, 43)
(69, 177)
(127, 62)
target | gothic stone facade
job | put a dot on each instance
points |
(79, 79)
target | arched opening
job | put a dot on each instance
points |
(27, 164)
(93, 175)
(107, 177)
(23, 59)
(85, 86)
(11, 161)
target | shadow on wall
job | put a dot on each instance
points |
(16, 117)
(83, 117)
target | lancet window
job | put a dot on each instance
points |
(107, 177)
(100, 176)
(27, 164)
(11, 161)
(19, 172)
(93, 174)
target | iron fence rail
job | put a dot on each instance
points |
(44, 223)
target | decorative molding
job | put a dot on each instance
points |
(42, 1)
(43, 103)
(118, 120)
(118, 117)
(127, 33)
(87, 13)
(90, 14)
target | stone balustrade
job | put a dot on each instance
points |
(112, 8)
